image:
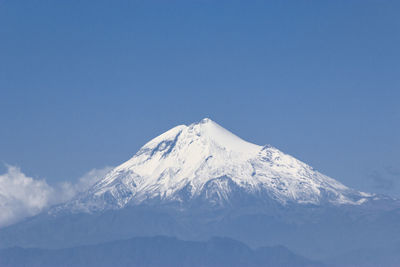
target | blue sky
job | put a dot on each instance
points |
(84, 84)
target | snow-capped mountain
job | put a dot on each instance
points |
(199, 181)
(205, 161)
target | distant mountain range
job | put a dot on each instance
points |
(199, 181)
(156, 252)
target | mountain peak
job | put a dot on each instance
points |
(205, 161)
(206, 120)
(213, 132)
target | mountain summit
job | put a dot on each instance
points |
(205, 162)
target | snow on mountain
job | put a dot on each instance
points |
(205, 160)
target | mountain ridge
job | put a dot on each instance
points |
(157, 251)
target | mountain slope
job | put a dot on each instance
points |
(204, 161)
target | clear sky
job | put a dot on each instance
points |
(84, 84)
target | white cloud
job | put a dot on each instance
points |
(22, 196)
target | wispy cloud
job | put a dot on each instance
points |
(68, 190)
(22, 196)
